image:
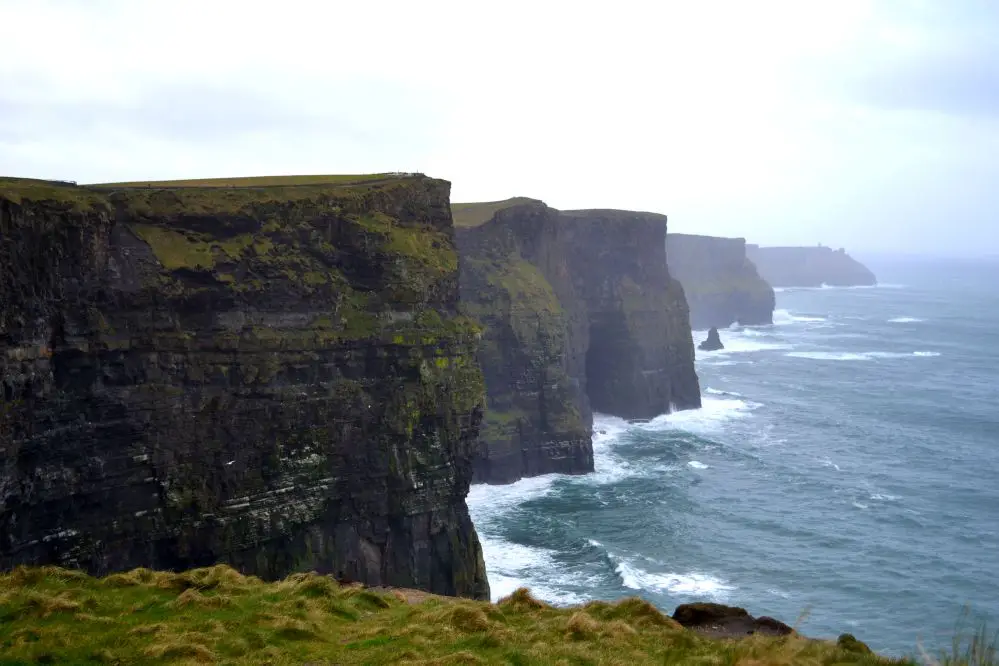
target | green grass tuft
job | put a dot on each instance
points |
(216, 615)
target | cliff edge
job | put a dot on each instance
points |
(268, 372)
(721, 284)
(580, 314)
(809, 267)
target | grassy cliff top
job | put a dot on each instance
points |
(612, 213)
(198, 196)
(216, 615)
(262, 181)
(475, 213)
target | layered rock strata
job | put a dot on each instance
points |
(581, 315)
(269, 373)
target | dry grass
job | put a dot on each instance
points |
(215, 615)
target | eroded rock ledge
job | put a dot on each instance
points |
(581, 315)
(721, 284)
(268, 374)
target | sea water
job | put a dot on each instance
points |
(842, 475)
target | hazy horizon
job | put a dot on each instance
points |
(865, 124)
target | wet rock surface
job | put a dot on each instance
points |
(712, 342)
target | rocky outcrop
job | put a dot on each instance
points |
(272, 376)
(721, 284)
(722, 621)
(809, 267)
(712, 342)
(580, 314)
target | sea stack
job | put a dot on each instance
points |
(712, 342)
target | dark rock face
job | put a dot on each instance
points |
(581, 314)
(809, 267)
(271, 378)
(721, 284)
(727, 621)
(712, 342)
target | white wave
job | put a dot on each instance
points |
(784, 317)
(488, 501)
(712, 415)
(856, 356)
(860, 505)
(778, 593)
(905, 320)
(697, 464)
(512, 565)
(830, 463)
(881, 497)
(825, 287)
(690, 584)
(739, 344)
(714, 391)
(608, 467)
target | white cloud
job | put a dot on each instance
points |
(780, 120)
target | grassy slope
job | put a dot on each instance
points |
(474, 214)
(216, 615)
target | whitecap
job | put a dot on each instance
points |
(737, 343)
(714, 391)
(856, 356)
(859, 505)
(488, 501)
(829, 463)
(697, 464)
(881, 497)
(712, 415)
(905, 320)
(784, 317)
(689, 584)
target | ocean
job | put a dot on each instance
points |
(842, 475)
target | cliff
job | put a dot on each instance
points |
(580, 314)
(269, 373)
(721, 284)
(809, 267)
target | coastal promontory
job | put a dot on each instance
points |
(809, 267)
(721, 284)
(581, 314)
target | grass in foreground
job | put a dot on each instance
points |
(215, 615)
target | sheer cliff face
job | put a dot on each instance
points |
(271, 377)
(809, 267)
(721, 283)
(581, 314)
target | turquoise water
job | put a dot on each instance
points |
(843, 472)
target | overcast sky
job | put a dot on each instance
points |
(870, 124)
